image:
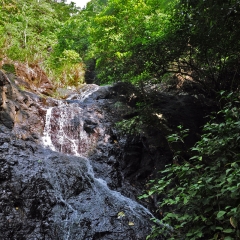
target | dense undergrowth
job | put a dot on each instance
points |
(200, 195)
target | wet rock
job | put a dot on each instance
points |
(48, 193)
(5, 172)
(89, 126)
(54, 196)
(19, 110)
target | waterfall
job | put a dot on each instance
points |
(47, 141)
(67, 131)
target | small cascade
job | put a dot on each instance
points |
(47, 141)
(74, 129)
(84, 92)
(65, 129)
(131, 205)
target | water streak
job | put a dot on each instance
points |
(64, 125)
(47, 141)
(84, 92)
(64, 132)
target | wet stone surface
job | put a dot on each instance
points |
(46, 194)
(67, 173)
(49, 195)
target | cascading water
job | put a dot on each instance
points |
(67, 130)
(47, 141)
(59, 190)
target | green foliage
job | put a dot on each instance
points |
(209, 54)
(73, 36)
(111, 33)
(200, 196)
(29, 34)
(130, 126)
(70, 56)
(129, 39)
(9, 68)
(176, 137)
(68, 68)
(26, 22)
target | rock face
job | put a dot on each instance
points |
(67, 173)
(47, 195)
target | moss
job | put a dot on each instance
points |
(9, 68)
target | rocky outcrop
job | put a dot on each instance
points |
(48, 195)
(30, 77)
(45, 194)
(19, 110)
(66, 172)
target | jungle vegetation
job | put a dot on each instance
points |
(148, 42)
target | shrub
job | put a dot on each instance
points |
(200, 195)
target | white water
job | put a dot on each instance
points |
(62, 135)
(133, 206)
(58, 131)
(64, 125)
(64, 130)
(47, 141)
(84, 92)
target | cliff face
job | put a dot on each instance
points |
(19, 110)
(67, 173)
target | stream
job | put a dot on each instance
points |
(66, 132)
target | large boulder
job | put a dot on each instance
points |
(48, 195)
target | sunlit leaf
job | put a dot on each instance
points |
(233, 222)
(220, 214)
(229, 230)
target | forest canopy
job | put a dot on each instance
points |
(144, 40)
(132, 40)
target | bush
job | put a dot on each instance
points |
(200, 196)
(68, 69)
